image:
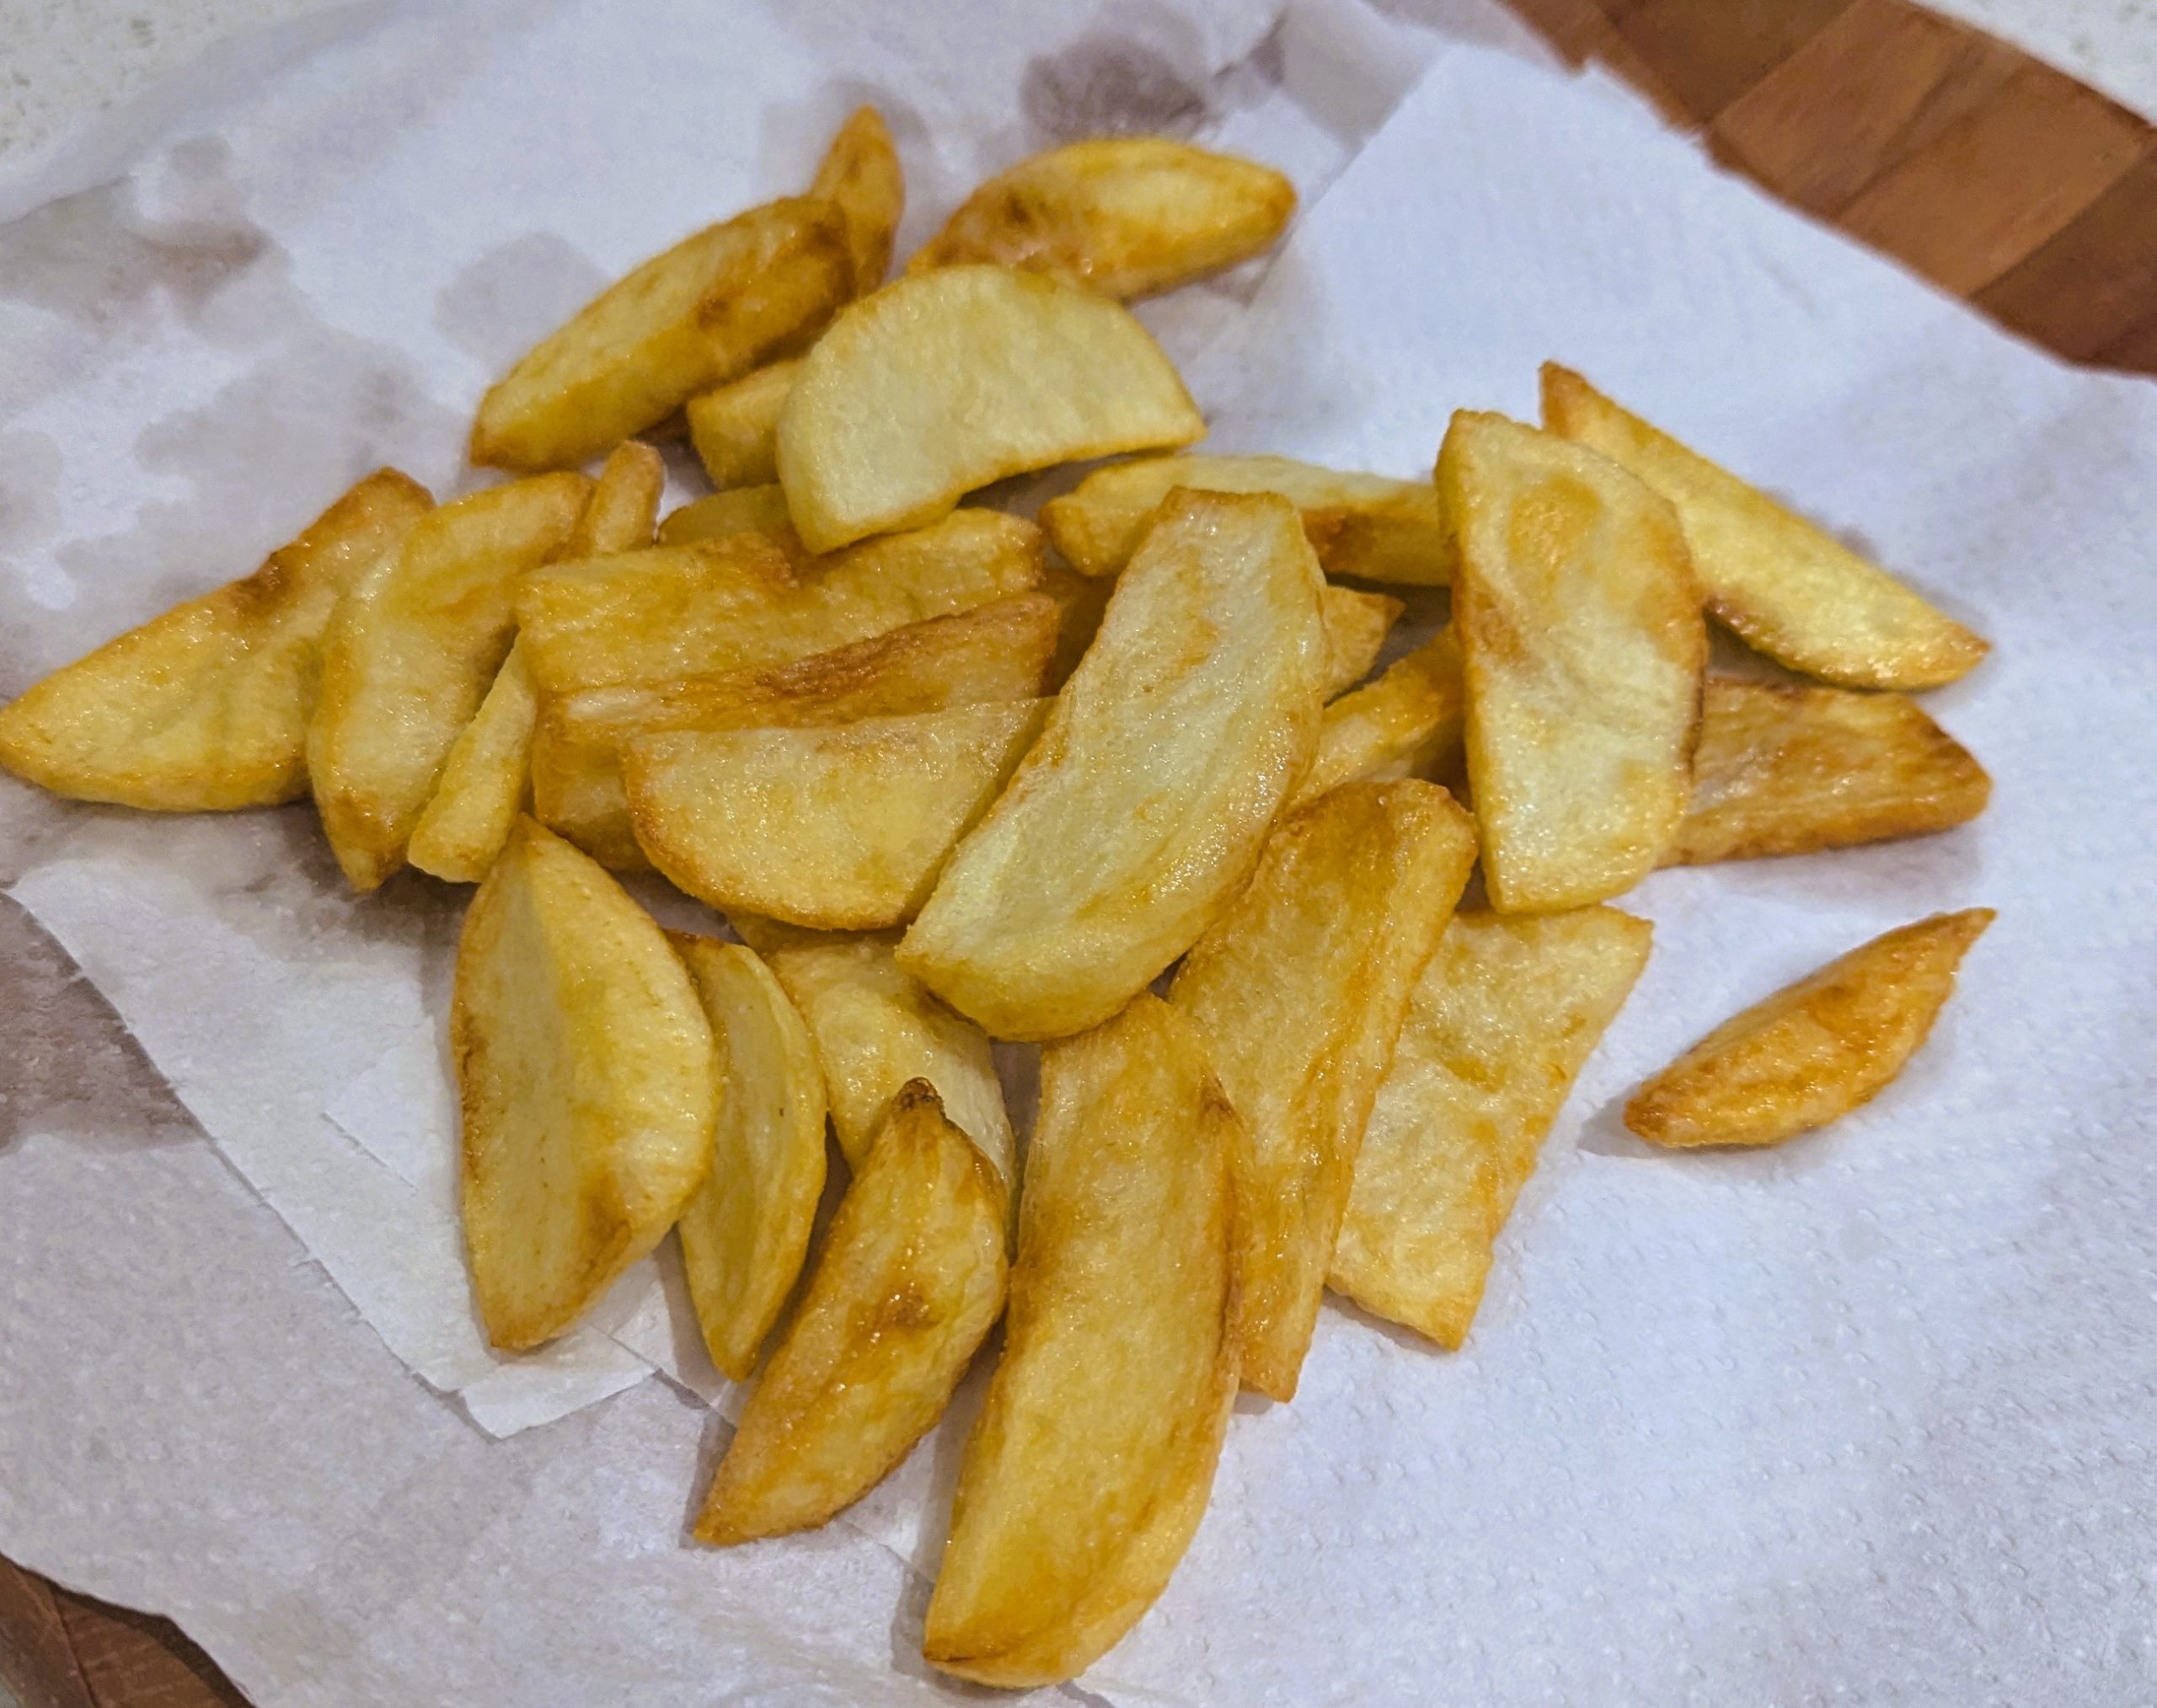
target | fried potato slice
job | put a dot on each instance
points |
(1813, 1050)
(1356, 625)
(1582, 650)
(1504, 1016)
(409, 657)
(586, 1071)
(735, 427)
(1125, 215)
(1406, 723)
(939, 384)
(860, 176)
(623, 505)
(204, 709)
(1782, 585)
(911, 1277)
(758, 510)
(1133, 821)
(1360, 525)
(1091, 1464)
(1298, 991)
(745, 1230)
(1792, 770)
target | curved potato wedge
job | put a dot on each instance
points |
(1783, 585)
(1814, 1051)
(1091, 1464)
(910, 1279)
(1501, 1022)
(1582, 649)
(939, 384)
(1133, 821)
(745, 1230)
(735, 427)
(860, 177)
(1406, 723)
(1125, 215)
(586, 1071)
(204, 709)
(1356, 625)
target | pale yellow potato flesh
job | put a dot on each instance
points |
(759, 509)
(1356, 625)
(1133, 821)
(1125, 215)
(1792, 770)
(910, 1278)
(1408, 723)
(861, 177)
(204, 709)
(940, 383)
(1092, 1460)
(586, 1078)
(1782, 585)
(735, 427)
(1582, 649)
(717, 304)
(1505, 1015)
(1813, 1050)
(1361, 525)
(409, 658)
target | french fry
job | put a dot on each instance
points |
(1786, 770)
(1814, 1051)
(1125, 215)
(1780, 583)
(1356, 625)
(623, 505)
(1132, 822)
(204, 709)
(757, 509)
(860, 176)
(1298, 991)
(584, 1070)
(1091, 1464)
(735, 427)
(911, 1277)
(1502, 1019)
(939, 384)
(1082, 601)
(1582, 649)
(1406, 723)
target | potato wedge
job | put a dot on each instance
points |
(204, 709)
(860, 177)
(1815, 1050)
(409, 656)
(1091, 1464)
(910, 1279)
(1792, 769)
(1356, 625)
(745, 1230)
(735, 427)
(625, 503)
(1360, 525)
(718, 303)
(940, 384)
(1582, 650)
(1136, 816)
(1783, 585)
(1406, 723)
(586, 1071)
(1501, 1020)
(1125, 215)
(758, 510)
(1298, 991)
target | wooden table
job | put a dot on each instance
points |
(2006, 182)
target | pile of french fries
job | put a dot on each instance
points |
(1126, 801)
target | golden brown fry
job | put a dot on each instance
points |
(939, 384)
(1501, 1022)
(1091, 1464)
(623, 505)
(1782, 585)
(1356, 625)
(1124, 215)
(860, 177)
(204, 709)
(736, 428)
(1813, 1050)
(1082, 601)
(757, 509)
(1582, 649)
(1133, 821)
(1298, 991)
(586, 1071)
(1406, 723)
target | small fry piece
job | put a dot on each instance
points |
(1582, 650)
(584, 1070)
(939, 384)
(910, 1279)
(1133, 821)
(1501, 1020)
(1813, 1050)
(1406, 723)
(745, 1231)
(623, 505)
(1298, 991)
(1360, 525)
(1125, 215)
(1356, 625)
(1091, 1464)
(736, 428)
(1792, 769)
(758, 510)
(1783, 585)
(860, 177)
